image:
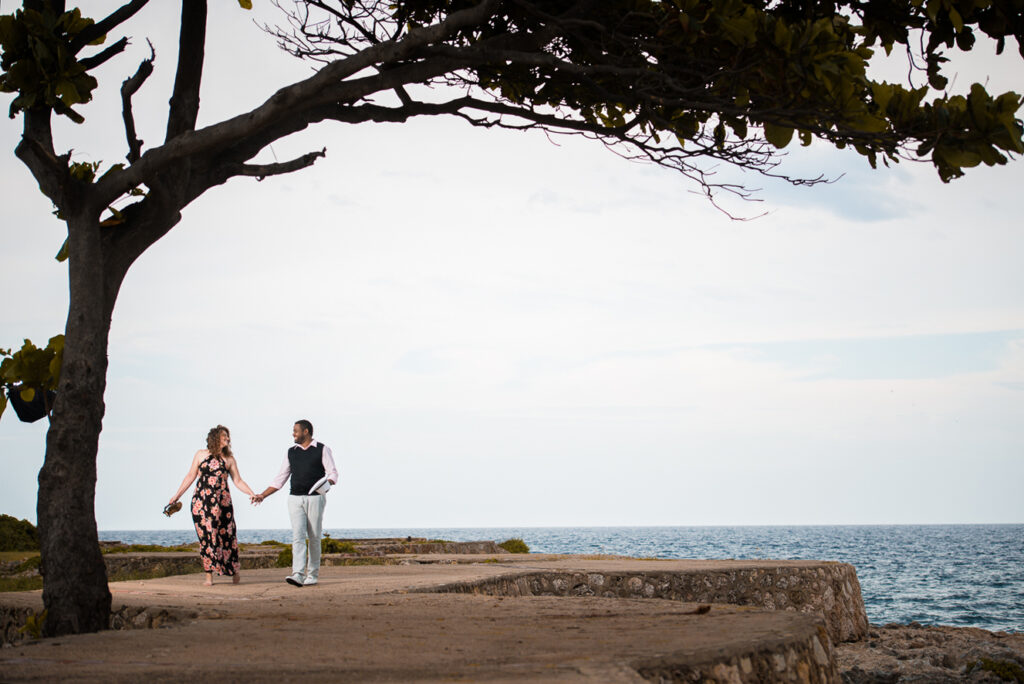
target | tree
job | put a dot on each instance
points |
(674, 83)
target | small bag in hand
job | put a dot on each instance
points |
(171, 509)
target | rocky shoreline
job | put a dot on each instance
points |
(936, 654)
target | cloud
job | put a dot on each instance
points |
(885, 358)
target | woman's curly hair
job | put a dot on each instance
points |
(213, 442)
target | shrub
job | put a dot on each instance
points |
(284, 559)
(1006, 670)
(515, 545)
(17, 535)
(29, 564)
(328, 545)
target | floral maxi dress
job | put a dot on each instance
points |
(214, 518)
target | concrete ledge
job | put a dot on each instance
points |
(801, 654)
(830, 590)
(572, 619)
(368, 624)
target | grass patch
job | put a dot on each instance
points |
(273, 542)
(21, 583)
(515, 545)
(16, 555)
(148, 548)
(151, 574)
(365, 560)
(34, 582)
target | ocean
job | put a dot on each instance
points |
(961, 575)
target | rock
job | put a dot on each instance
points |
(915, 653)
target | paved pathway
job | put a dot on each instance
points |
(370, 623)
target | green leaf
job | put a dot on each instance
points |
(958, 22)
(3, 402)
(777, 135)
(57, 345)
(112, 169)
(66, 91)
(62, 254)
(245, 4)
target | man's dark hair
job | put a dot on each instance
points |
(305, 425)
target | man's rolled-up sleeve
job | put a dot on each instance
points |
(329, 468)
(282, 475)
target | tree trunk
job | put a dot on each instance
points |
(75, 591)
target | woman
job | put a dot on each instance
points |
(212, 512)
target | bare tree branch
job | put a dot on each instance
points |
(128, 89)
(36, 151)
(261, 171)
(101, 57)
(297, 103)
(184, 106)
(104, 26)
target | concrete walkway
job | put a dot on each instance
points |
(385, 624)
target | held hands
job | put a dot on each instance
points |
(256, 499)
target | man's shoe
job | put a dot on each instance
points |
(294, 579)
(309, 581)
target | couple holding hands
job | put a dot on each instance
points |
(310, 466)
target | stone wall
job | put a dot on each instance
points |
(13, 620)
(830, 590)
(166, 564)
(809, 660)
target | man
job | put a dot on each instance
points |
(308, 462)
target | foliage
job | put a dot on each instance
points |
(17, 535)
(328, 545)
(284, 559)
(271, 542)
(30, 563)
(723, 77)
(39, 63)
(31, 369)
(515, 545)
(1007, 670)
(34, 625)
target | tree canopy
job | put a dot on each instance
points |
(677, 83)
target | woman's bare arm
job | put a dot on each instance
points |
(190, 477)
(236, 477)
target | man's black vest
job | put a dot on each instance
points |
(307, 467)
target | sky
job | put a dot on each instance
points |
(498, 329)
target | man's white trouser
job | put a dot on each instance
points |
(307, 514)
